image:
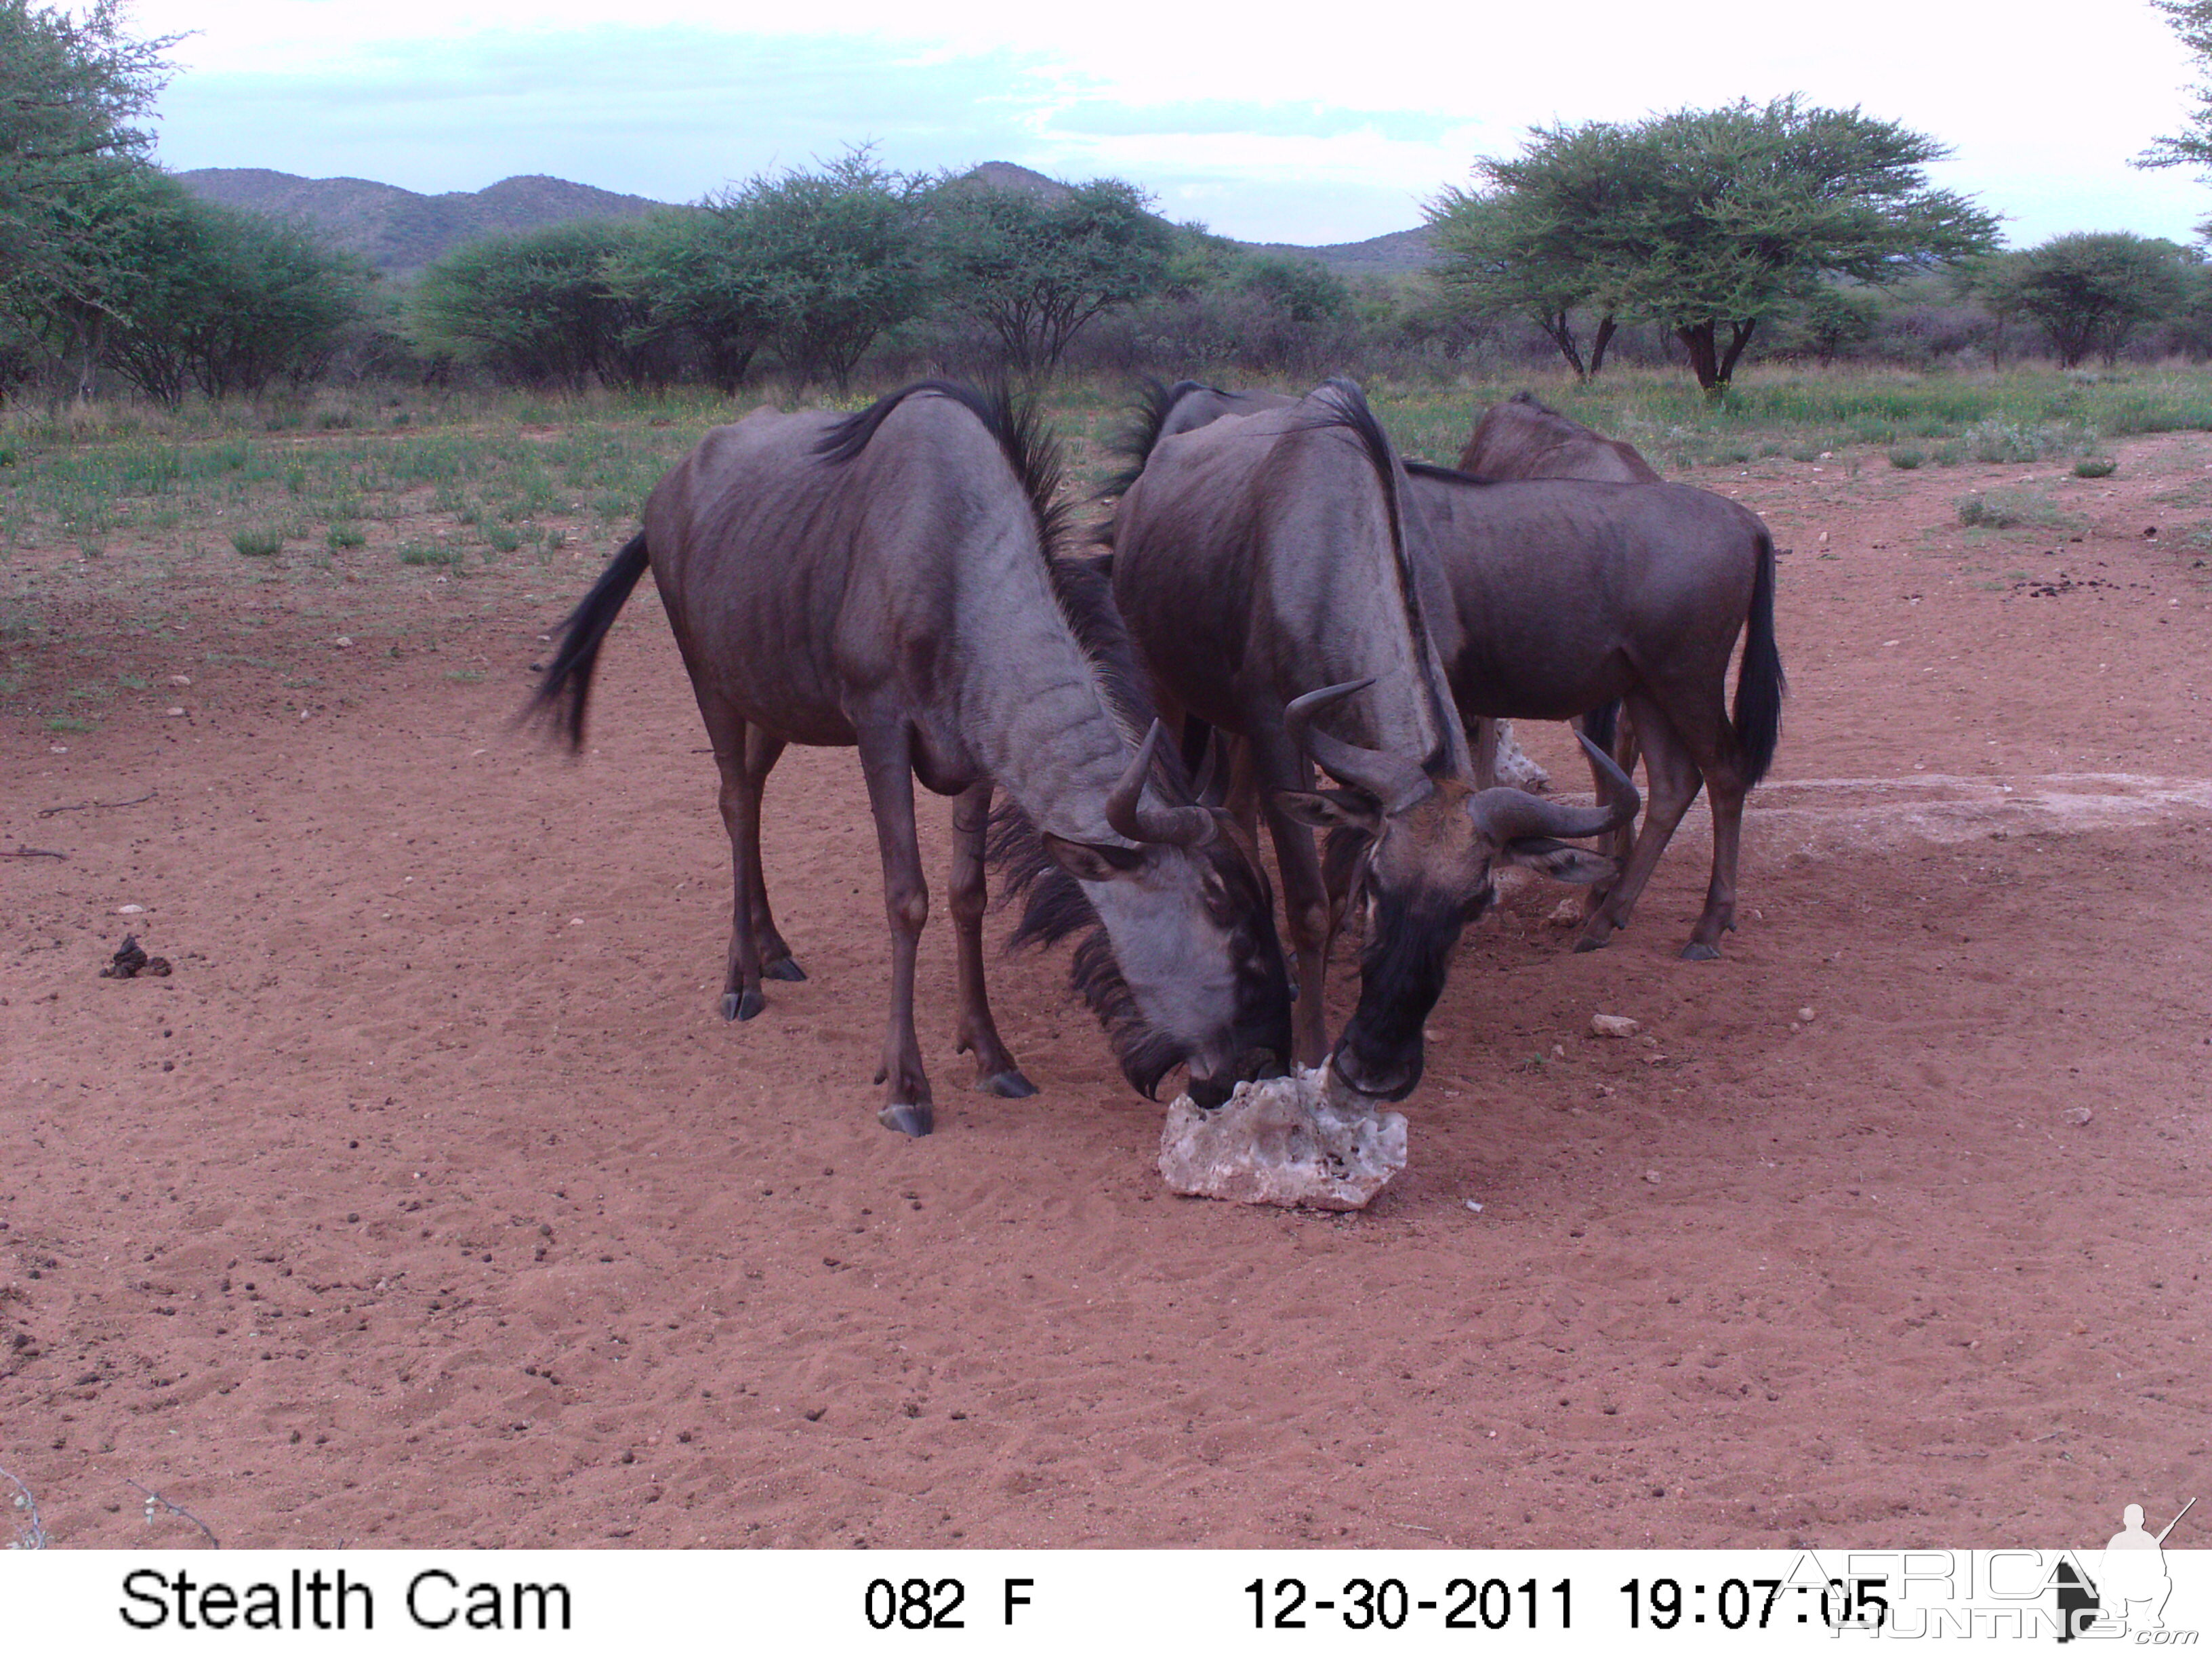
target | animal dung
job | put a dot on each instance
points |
(1295, 1142)
(130, 962)
(1613, 1025)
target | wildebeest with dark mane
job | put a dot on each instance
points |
(1521, 438)
(885, 579)
(1558, 597)
(1262, 564)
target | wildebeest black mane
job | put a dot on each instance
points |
(1448, 475)
(1156, 401)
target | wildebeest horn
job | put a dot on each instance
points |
(1392, 780)
(1170, 826)
(1508, 814)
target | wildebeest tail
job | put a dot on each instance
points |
(1599, 724)
(561, 694)
(1760, 684)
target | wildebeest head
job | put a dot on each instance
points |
(1428, 843)
(1183, 966)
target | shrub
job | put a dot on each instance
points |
(2008, 509)
(343, 535)
(428, 553)
(258, 544)
(2095, 468)
(1905, 459)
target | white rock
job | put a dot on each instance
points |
(1293, 1141)
(130, 909)
(1613, 1025)
(1514, 767)
(1567, 912)
(1652, 1175)
(1805, 1015)
(2078, 1116)
(173, 713)
(180, 679)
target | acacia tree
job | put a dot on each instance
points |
(699, 274)
(1520, 247)
(1710, 221)
(2192, 21)
(539, 307)
(2088, 292)
(1036, 270)
(70, 87)
(837, 255)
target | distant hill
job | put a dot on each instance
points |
(399, 230)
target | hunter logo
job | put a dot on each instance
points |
(2127, 1593)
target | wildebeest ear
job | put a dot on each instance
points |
(1562, 861)
(1331, 809)
(1088, 860)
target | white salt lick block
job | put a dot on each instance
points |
(1290, 1141)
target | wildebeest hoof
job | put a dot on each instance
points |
(1009, 1085)
(916, 1121)
(784, 968)
(736, 1006)
(1593, 941)
(1694, 952)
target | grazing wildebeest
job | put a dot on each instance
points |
(1559, 596)
(1262, 564)
(1521, 438)
(885, 579)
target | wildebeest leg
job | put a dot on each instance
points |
(1617, 845)
(995, 1070)
(1484, 740)
(1278, 766)
(761, 752)
(1673, 785)
(1714, 750)
(739, 800)
(886, 762)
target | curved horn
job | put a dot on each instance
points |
(1169, 826)
(1507, 814)
(1394, 781)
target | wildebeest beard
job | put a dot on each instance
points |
(1401, 974)
(1057, 907)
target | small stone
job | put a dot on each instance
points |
(1613, 1025)
(172, 712)
(1652, 1175)
(2077, 1116)
(1474, 1206)
(1805, 1016)
(1558, 1051)
(342, 639)
(1565, 914)
(180, 679)
(58, 748)
(1297, 1141)
(575, 921)
(130, 909)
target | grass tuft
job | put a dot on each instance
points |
(258, 544)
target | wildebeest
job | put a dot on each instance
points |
(1521, 438)
(1262, 564)
(885, 579)
(1559, 596)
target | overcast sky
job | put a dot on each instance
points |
(1276, 129)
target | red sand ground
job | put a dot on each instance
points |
(429, 1202)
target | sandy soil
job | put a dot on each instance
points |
(429, 1202)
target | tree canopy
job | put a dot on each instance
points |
(2088, 292)
(1703, 221)
(1036, 270)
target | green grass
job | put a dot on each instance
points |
(2095, 467)
(430, 553)
(2011, 509)
(343, 535)
(1905, 459)
(258, 544)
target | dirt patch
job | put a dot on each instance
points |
(428, 1201)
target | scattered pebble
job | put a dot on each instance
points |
(1565, 914)
(2077, 1116)
(1474, 1206)
(575, 921)
(1652, 1175)
(130, 909)
(180, 679)
(1558, 1051)
(1806, 1015)
(173, 713)
(1613, 1025)
(58, 748)
(342, 639)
